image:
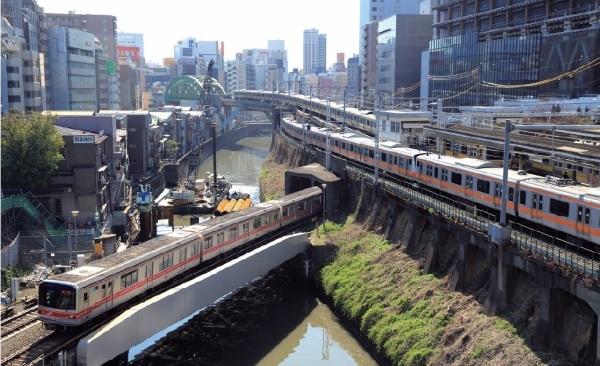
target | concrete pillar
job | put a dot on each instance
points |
(457, 282)
(433, 256)
(541, 337)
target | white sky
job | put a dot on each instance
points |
(240, 24)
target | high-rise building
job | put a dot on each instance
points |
(104, 27)
(401, 40)
(131, 40)
(353, 76)
(26, 23)
(489, 50)
(315, 51)
(368, 58)
(72, 63)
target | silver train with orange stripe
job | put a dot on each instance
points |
(75, 297)
(548, 202)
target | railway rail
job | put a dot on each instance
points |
(12, 325)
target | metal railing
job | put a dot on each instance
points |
(560, 251)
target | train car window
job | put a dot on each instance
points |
(401, 162)
(343, 145)
(220, 238)
(420, 166)
(276, 216)
(445, 175)
(57, 296)
(208, 242)
(523, 197)
(435, 172)
(586, 218)
(384, 157)
(580, 169)
(483, 186)
(464, 149)
(371, 153)
(85, 297)
(286, 212)
(497, 190)
(129, 278)
(103, 290)
(267, 220)
(429, 171)
(559, 208)
(511, 194)
(469, 182)
(409, 162)
(301, 206)
(183, 254)
(456, 178)
(246, 228)
(233, 232)
(256, 224)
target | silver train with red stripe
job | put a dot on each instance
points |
(75, 297)
(548, 202)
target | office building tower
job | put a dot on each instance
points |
(72, 64)
(25, 24)
(104, 27)
(315, 51)
(131, 40)
(488, 50)
(401, 40)
(353, 76)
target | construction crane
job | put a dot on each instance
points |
(201, 130)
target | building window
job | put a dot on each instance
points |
(14, 84)
(14, 99)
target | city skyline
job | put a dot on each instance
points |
(235, 28)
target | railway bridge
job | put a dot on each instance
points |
(145, 320)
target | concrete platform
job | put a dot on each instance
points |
(144, 320)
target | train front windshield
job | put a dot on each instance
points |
(57, 296)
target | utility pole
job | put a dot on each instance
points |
(328, 150)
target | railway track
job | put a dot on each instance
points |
(12, 325)
(45, 345)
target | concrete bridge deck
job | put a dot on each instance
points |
(145, 320)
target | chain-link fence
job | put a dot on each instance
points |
(52, 249)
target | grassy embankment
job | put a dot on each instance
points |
(409, 318)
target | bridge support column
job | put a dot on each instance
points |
(457, 282)
(433, 255)
(541, 337)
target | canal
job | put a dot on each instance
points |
(277, 320)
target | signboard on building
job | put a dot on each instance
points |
(129, 53)
(83, 139)
(110, 67)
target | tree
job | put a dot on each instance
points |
(172, 148)
(30, 150)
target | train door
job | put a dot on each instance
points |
(107, 294)
(182, 258)
(149, 274)
(583, 221)
(469, 186)
(537, 206)
(497, 195)
(86, 300)
(220, 241)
